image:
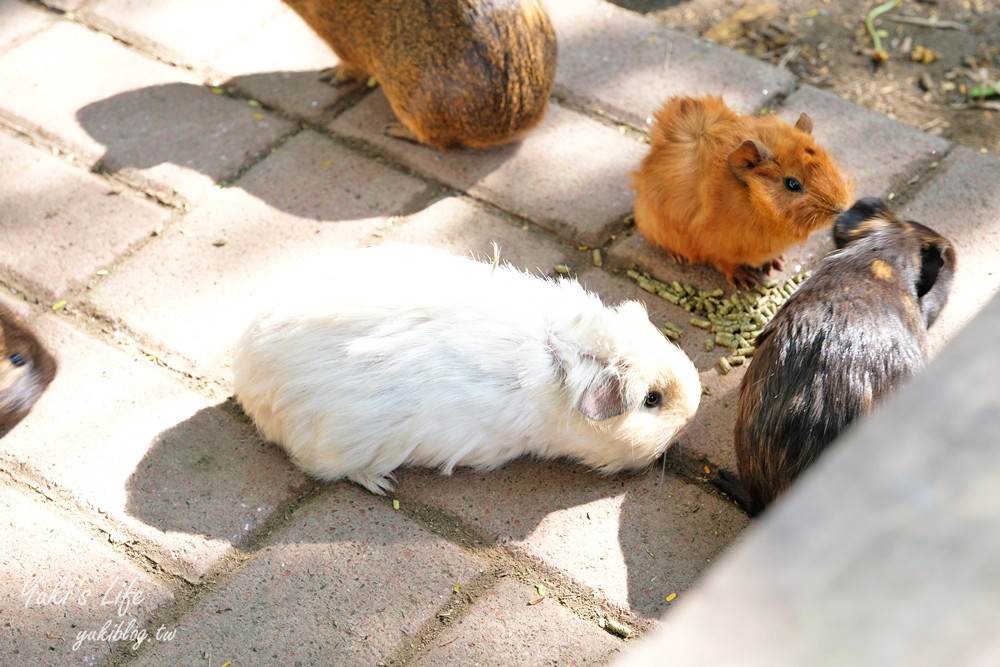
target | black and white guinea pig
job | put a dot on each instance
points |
(844, 340)
(26, 369)
(406, 355)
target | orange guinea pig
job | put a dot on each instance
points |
(734, 191)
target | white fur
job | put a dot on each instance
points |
(408, 355)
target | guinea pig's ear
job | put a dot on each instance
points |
(748, 156)
(804, 123)
(609, 394)
(937, 270)
(603, 399)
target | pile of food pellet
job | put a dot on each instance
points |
(732, 321)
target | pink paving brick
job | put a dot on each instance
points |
(880, 153)
(634, 538)
(465, 228)
(195, 289)
(502, 627)
(279, 64)
(62, 588)
(346, 582)
(188, 32)
(628, 65)
(962, 202)
(19, 20)
(60, 223)
(113, 435)
(152, 123)
(570, 174)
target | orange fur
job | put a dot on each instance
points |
(713, 187)
(473, 73)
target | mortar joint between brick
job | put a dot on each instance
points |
(906, 186)
(99, 528)
(567, 100)
(454, 610)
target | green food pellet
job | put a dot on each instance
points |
(562, 269)
(736, 360)
(669, 296)
(700, 323)
(724, 366)
(709, 344)
(724, 338)
(598, 260)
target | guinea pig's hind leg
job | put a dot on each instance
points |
(374, 482)
(732, 486)
(342, 74)
(398, 130)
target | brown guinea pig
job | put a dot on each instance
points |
(473, 73)
(843, 341)
(734, 191)
(26, 369)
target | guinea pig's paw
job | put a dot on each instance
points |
(374, 482)
(340, 75)
(776, 264)
(676, 257)
(745, 277)
(731, 485)
(398, 130)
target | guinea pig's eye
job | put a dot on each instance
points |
(17, 359)
(653, 399)
(793, 185)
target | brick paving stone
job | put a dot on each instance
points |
(286, 78)
(187, 32)
(502, 628)
(20, 19)
(627, 65)
(465, 228)
(151, 122)
(962, 203)
(157, 460)
(89, 66)
(60, 223)
(59, 585)
(633, 538)
(880, 153)
(346, 583)
(194, 289)
(570, 174)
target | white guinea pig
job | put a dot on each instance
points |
(409, 355)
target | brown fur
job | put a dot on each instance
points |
(26, 369)
(473, 73)
(712, 188)
(841, 344)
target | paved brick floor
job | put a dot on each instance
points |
(162, 166)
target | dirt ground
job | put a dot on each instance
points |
(939, 52)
